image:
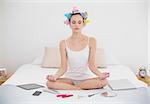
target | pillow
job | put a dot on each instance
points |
(110, 60)
(100, 58)
(37, 61)
(51, 58)
(104, 59)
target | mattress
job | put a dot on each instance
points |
(29, 73)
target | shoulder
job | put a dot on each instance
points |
(62, 44)
(92, 41)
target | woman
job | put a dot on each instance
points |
(77, 58)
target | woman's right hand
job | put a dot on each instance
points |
(51, 78)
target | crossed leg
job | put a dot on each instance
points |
(62, 84)
(93, 83)
(67, 84)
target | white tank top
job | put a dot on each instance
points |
(78, 63)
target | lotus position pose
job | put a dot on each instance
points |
(77, 59)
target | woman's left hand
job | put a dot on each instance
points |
(104, 75)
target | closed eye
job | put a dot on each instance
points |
(79, 22)
(73, 22)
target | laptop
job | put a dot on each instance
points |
(30, 86)
(121, 84)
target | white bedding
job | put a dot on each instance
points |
(35, 74)
(30, 73)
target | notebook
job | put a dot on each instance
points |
(30, 86)
(121, 84)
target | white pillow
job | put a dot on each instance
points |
(104, 59)
(51, 58)
(100, 57)
(110, 60)
(37, 61)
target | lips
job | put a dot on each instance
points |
(76, 28)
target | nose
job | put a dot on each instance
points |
(76, 24)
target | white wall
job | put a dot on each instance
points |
(0, 37)
(1, 33)
(149, 36)
(119, 26)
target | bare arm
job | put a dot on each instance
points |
(63, 54)
(92, 65)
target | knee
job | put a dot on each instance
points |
(105, 82)
(102, 83)
(49, 84)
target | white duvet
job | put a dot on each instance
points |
(35, 74)
(31, 73)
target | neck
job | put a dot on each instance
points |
(76, 35)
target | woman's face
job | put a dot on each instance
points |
(76, 23)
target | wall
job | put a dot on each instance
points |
(149, 36)
(1, 33)
(120, 26)
(0, 37)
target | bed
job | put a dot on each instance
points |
(33, 73)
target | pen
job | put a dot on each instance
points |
(93, 94)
